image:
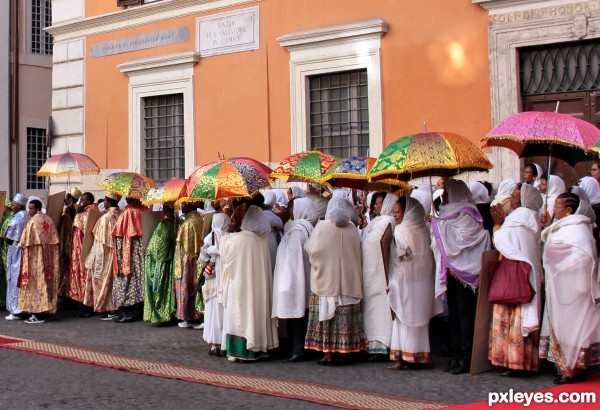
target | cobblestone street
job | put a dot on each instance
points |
(34, 381)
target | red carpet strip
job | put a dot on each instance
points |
(312, 392)
(591, 385)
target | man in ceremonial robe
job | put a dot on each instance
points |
(187, 250)
(38, 279)
(13, 255)
(65, 233)
(99, 262)
(77, 275)
(159, 297)
(128, 261)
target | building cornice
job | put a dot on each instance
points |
(500, 6)
(138, 16)
(334, 33)
(161, 61)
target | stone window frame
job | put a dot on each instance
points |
(154, 76)
(332, 49)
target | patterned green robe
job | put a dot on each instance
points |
(159, 297)
(3, 251)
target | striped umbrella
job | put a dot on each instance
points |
(69, 163)
(227, 178)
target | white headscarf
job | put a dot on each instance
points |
(531, 198)
(423, 195)
(592, 189)
(387, 207)
(505, 190)
(479, 192)
(414, 214)
(305, 209)
(270, 198)
(297, 192)
(256, 221)
(345, 193)
(208, 208)
(580, 192)
(586, 209)
(337, 211)
(556, 186)
(282, 200)
(540, 173)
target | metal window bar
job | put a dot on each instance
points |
(164, 145)
(37, 154)
(41, 17)
(339, 113)
(560, 68)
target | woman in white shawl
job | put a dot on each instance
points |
(514, 332)
(532, 174)
(556, 186)
(376, 308)
(291, 282)
(411, 285)
(423, 193)
(248, 289)
(213, 297)
(505, 190)
(459, 242)
(572, 292)
(335, 325)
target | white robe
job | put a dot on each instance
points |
(572, 293)
(213, 299)
(519, 239)
(377, 317)
(291, 281)
(13, 259)
(248, 290)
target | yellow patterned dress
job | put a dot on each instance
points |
(77, 273)
(187, 250)
(99, 264)
(38, 279)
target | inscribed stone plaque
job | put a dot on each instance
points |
(141, 42)
(229, 32)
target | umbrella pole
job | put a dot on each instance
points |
(548, 179)
(432, 210)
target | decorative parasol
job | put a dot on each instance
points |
(227, 178)
(308, 166)
(68, 164)
(537, 133)
(427, 154)
(127, 184)
(353, 172)
(167, 191)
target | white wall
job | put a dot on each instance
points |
(4, 95)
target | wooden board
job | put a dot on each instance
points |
(149, 222)
(2, 202)
(88, 235)
(483, 319)
(54, 210)
(385, 243)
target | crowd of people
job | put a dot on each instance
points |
(335, 272)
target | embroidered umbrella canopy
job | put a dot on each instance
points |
(227, 178)
(353, 172)
(427, 154)
(67, 164)
(538, 133)
(308, 166)
(127, 184)
(167, 191)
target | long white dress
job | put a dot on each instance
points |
(248, 288)
(213, 298)
(411, 290)
(572, 295)
(377, 315)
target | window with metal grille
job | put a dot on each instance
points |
(163, 137)
(560, 68)
(41, 17)
(37, 154)
(339, 113)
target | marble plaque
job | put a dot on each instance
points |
(229, 32)
(141, 42)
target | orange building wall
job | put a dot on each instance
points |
(434, 70)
